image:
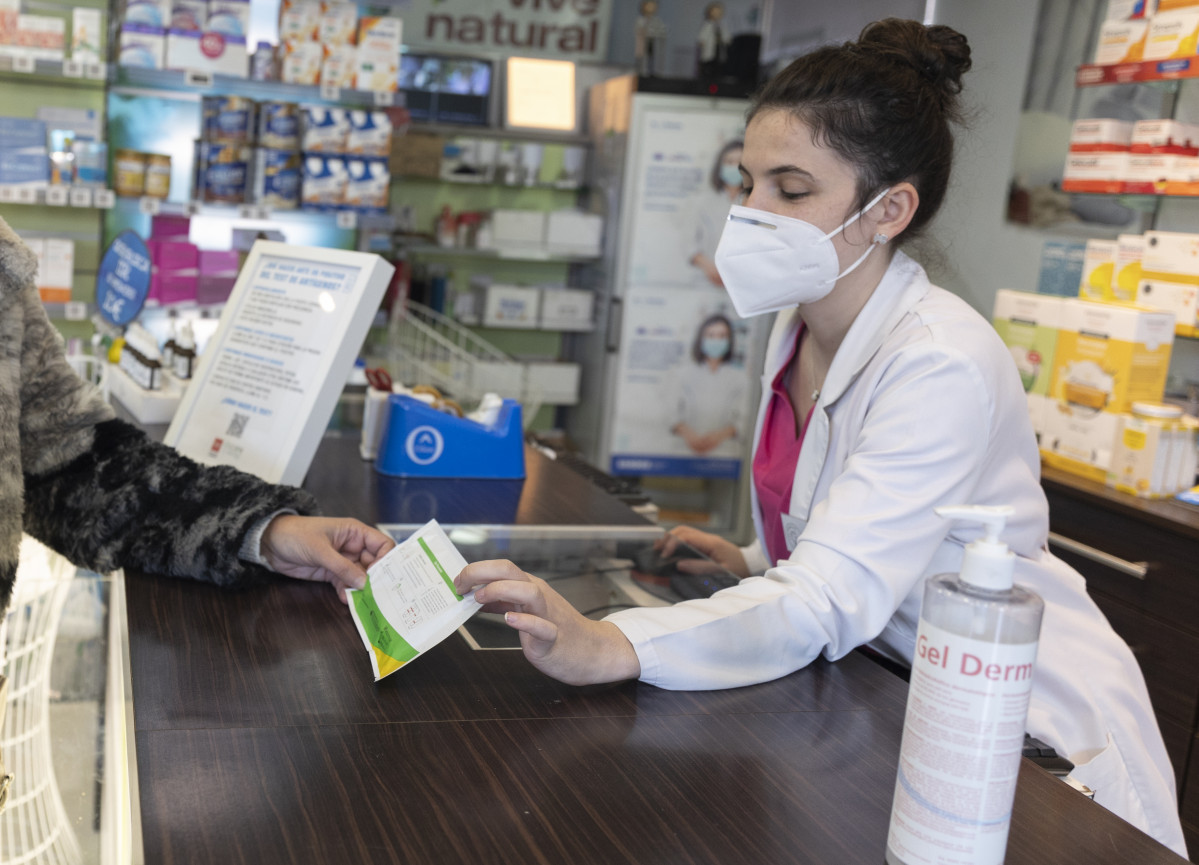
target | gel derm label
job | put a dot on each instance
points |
(962, 741)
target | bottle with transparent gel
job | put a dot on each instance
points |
(963, 731)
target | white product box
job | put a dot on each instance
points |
(87, 34)
(552, 382)
(230, 17)
(370, 133)
(1173, 253)
(1098, 268)
(151, 13)
(1100, 134)
(301, 62)
(506, 378)
(1121, 42)
(207, 51)
(1172, 34)
(299, 20)
(368, 183)
(324, 181)
(1178, 297)
(1147, 173)
(518, 229)
(510, 306)
(1080, 441)
(377, 71)
(340, 65)
(1028, 324)
(1038, 409)
(1170, 136)
(573, 232)
(338, 24)
(188, 14)
(1125, 10)
(41, 37)
(566, 309)
(1095, 172)
(57, 271)
(324, 130)
(382, 34)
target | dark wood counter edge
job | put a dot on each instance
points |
(1169, 514)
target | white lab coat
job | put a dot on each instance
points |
(921, 407)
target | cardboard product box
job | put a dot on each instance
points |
(57, 270)
(381, 34)
(518, 229)
(1172, 34)
(368, 184)
(1126, 276)
(275, 178)
(172, 256)
(299, 20)
(513, 306)
(1180, 298)
(552, 382)
(301, 62)
(87, 35)
(1028, 325)
(165, 226)
(1095, 172)
(323, 186)
(339, 68)
(150, 13)
(1061, 267)
(218, 274)
(27, 167)
(324, 130)
(574, 232)
(22, 133)
(566, 309)
(338, 24)
(1170, 262)
(207, 51)
(142, 46)
(1100, 135)
(1126, 10)
(1121, 42)
(370, 133)
(174, 287)
(1038, 408)
(1098, 270)
(1107, 357)
(417, 154)
(188, 14)
(230, 17)
(377, 71)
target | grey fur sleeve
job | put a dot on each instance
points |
(131, 502)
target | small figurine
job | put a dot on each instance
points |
(712, 44)
(649, 39)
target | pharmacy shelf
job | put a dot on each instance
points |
(181, 84)
(82, 197)
(424, 178)
(345, 219)
(69, 73)
(511, 254)
(1094, 75)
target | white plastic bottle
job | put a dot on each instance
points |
(963, 732)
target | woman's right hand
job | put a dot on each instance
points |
(556, 638)
(724, 552)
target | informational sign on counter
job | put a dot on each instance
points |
(271, 375)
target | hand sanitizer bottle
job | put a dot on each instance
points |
(963, 732)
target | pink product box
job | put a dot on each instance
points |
(164, 227)
(169, 287)
(218, 273)
(170, 256)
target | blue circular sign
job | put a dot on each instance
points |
(124, 279)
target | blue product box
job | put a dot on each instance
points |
(1061, 268)
(26, 167)
(18, 133)
(277, 178)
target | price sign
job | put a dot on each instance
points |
(23, 63)
(105, 198)
(192, 207)
(56, 196)
(347, 219)
(72, 69)
(123, 279)
(384, 98)
(26, 195)
(97, 71)
(75, 310)
(150, 205)
(330, 93)
(8, 193)
(82, 197)
(197, 78)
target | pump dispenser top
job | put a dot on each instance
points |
(988, 563)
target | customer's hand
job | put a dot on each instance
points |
(556, 638)
(724, 553)
(323, 549)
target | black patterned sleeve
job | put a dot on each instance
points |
(130, 502)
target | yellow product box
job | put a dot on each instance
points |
(1028, 324)
(1172, 34)
(1098, 268)
(1107, 357)
(1150, 455)
(1121, 42)
(1130, 249)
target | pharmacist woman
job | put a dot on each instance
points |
(98, 491)
(884, 397)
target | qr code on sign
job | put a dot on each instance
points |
(237, 426)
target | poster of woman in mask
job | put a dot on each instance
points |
(724, 181)
(710, 413)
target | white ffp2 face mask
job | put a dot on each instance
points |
(770, 262)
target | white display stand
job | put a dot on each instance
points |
(271, 375)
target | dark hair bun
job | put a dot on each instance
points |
(939, 53)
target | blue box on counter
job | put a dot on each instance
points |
(22, 132)
(423, 442)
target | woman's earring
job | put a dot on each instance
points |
(880, 238)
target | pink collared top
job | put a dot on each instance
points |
(776, 458)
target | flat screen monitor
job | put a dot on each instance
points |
(540, 95)
(443, 89)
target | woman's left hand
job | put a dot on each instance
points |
(556, 638)
(324, 549)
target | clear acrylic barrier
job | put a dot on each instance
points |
(68, 728)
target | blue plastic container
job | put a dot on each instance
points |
(422, 442)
